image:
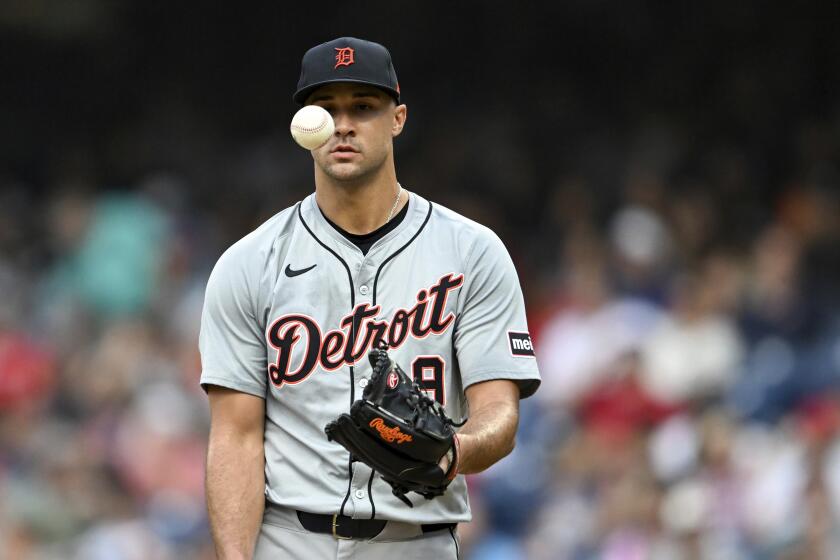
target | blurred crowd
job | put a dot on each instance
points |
(690, 405)
(680, 264)
(687, 328)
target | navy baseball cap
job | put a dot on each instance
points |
(347, 60)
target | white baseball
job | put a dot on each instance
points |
(312, 126)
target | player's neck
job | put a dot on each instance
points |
(359, 208)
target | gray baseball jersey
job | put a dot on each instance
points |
(292, 309)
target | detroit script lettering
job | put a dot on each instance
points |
(357, 333)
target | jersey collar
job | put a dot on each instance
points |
(418, 208)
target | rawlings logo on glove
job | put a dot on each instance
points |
(389, 434)
(405, 454)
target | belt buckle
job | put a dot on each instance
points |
(335, 527)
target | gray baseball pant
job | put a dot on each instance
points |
(282, 536)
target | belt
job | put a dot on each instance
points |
(343, 527)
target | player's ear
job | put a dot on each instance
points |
(400, 113)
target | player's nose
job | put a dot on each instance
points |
(343, 124)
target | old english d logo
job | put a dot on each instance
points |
(343, 57)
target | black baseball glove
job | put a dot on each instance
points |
(397, 430)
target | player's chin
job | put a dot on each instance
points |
(344, 171)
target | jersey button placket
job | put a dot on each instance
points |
(361, 504)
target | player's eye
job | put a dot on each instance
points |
(363, 107)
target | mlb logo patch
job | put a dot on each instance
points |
(520, 344)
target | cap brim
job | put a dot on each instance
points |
(300, 96)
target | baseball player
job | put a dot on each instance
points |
(292, 310)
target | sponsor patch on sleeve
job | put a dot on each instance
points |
(520, 344)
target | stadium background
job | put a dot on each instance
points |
(665, 177)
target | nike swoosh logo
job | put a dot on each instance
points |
(292, 273)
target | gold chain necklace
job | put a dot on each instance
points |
(396, 202)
